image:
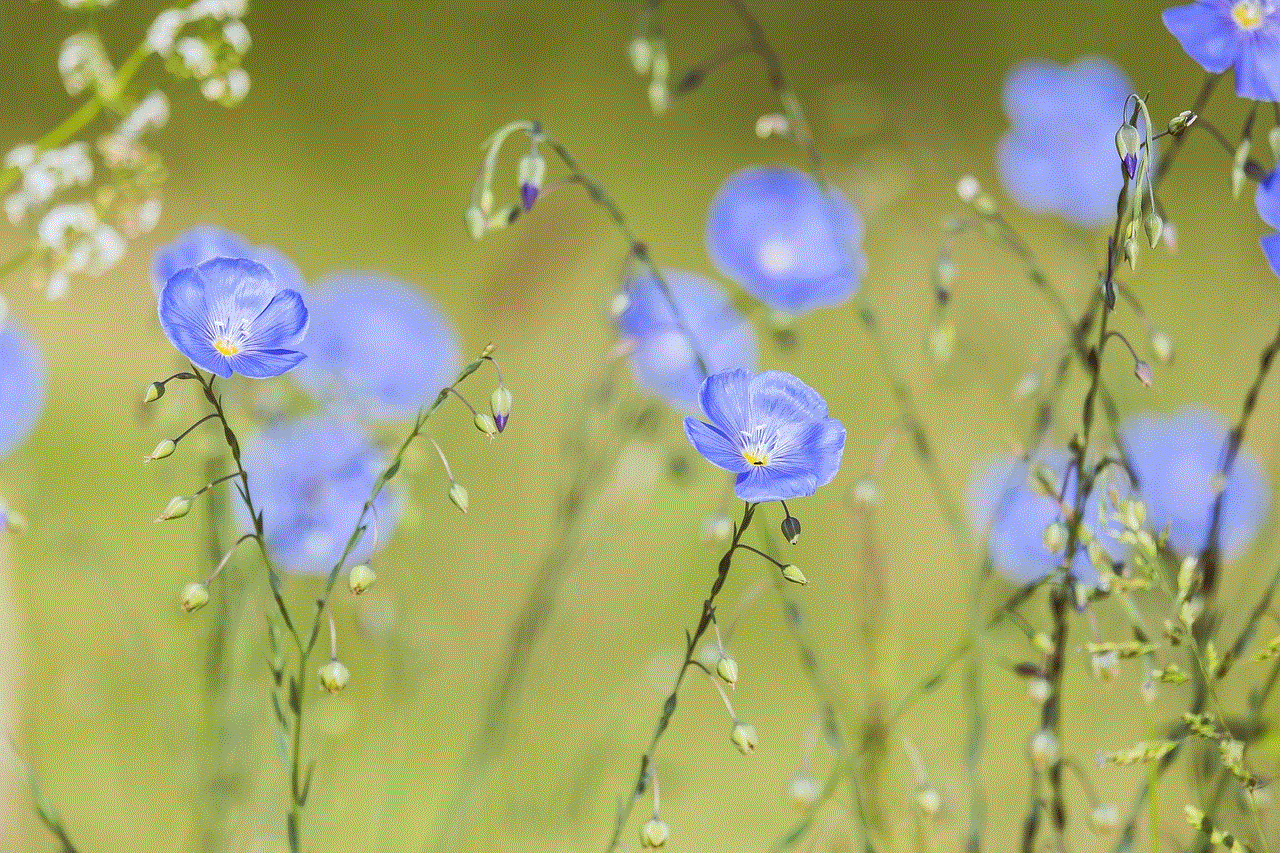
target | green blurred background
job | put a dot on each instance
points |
(356, 149)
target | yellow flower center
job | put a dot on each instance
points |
(755, 455)
(226, 347)
(1248, 14)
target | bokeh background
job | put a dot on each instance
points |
(355, 149)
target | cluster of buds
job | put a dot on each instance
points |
(210, 51)
(482, 216)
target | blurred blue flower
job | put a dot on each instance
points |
(310, 478)
(1176, 460)
(770, 429)
(206, 242)
(377, 343)
(1219, 34)
(1006, 508)
(663, 359)
(774, 232)
(1271, 251)
(23, 383)
(229, 315)
(1060, 154)
(1267, 200)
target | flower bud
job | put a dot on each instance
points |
(177, 508)
(929, 801)
(1130, 255)
(791, 529)
(967, 188)
(194, 596)
(744, 737)
(1162, 345)
(154, 392)
(476, 223)
(1055, 537)
(361, 578)
(1182, 121)
(1043, 643)
(1044, 750)
(163, 449)
(641, 54)
(1105, 665)
(1128, 144)
(654, 833)
(1104, 818)
(792, 573)
(485, 424)
(727, 669)
(334, 676)
(500, 404)
(458, 494)
(1142, 370)
(802, 791)
(1154, 226)
(1237, 167)
(531, 171)
(659, 98)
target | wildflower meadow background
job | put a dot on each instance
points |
(360, 488)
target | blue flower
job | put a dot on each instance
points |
(1267, 200)
(1219, 34)
(1008, 510)
(378, 343)
(771, 430)
(206, 242)
(1060, 154)
(774, 232)
(1271, 251)
(663, 358)
(23, 383)
(229, 315)
(310, 478)
(1177, 460)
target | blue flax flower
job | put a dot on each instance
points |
(206, 242)
(229, 315)
(771, 430)
(310, 478)
(795, 249)
(1267, 200)
(1060, 154)
(1219, 34)
(663, 356)
(1011, 513)
(1177, 461)
(23, 383)
(378, 343)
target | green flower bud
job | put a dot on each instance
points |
(163, 449)
(500, 405)
(802, 791)
(1044, 750)
(485, 424)
(154, 392)
(641, 54)
(1043, 643)
(476, 223)
(654, 833)
(1182, 121)
(793, 574)
(659, 97)
(458, 494)
(727, 669)
(1128, 146)
(194, 596)
(177, 508)
(1237, 167)
(1162, 345)
(791, 529)
(334, 676)
(1055, 537)
(1038, 690)
(361, 578)
(984, 204)
(744, 737)
(1154, 226)
(1131, 252)
(929, 801)
(941, 340)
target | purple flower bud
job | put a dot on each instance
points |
(1130, 165)
(528, 195)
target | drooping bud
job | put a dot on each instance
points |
(1038, 690)
(476, 223)
(744, 737)
(1044, 750)
(500, 404)
(485, 424)
(654, 833)
(531, 171)
(1142, 370)
(1043, 643)
(1154, 226)
(154, 392)
(727, 669)
(1182, 121)
(1237, 167)
(792, 573)
(334, 676)
(967, 188)
(1128, 144)
(458, 494)
(163, 449)
(791, 529)
(176, 508)
(1162, 345)
(361, 578)
(194, 596)
(802, 791)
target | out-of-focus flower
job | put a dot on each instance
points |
(1177, 460)
(229, 315)
(309, 478)
(1060, 154)
(770, 429)
(663, 357)
(1244, 34)
(23, 383)
(787, 243)
(378, 343)
(1013, 514)
(1267, 200)
(206, 242)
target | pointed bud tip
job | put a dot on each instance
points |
(154, 392)
(793, 574)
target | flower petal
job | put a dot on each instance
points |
(778, 398)
(1258, 67)
(185, 321)
(262, 364)
(1207, 34)
(282, 324)
(715, 446)
(771, 483)
(725, 400)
